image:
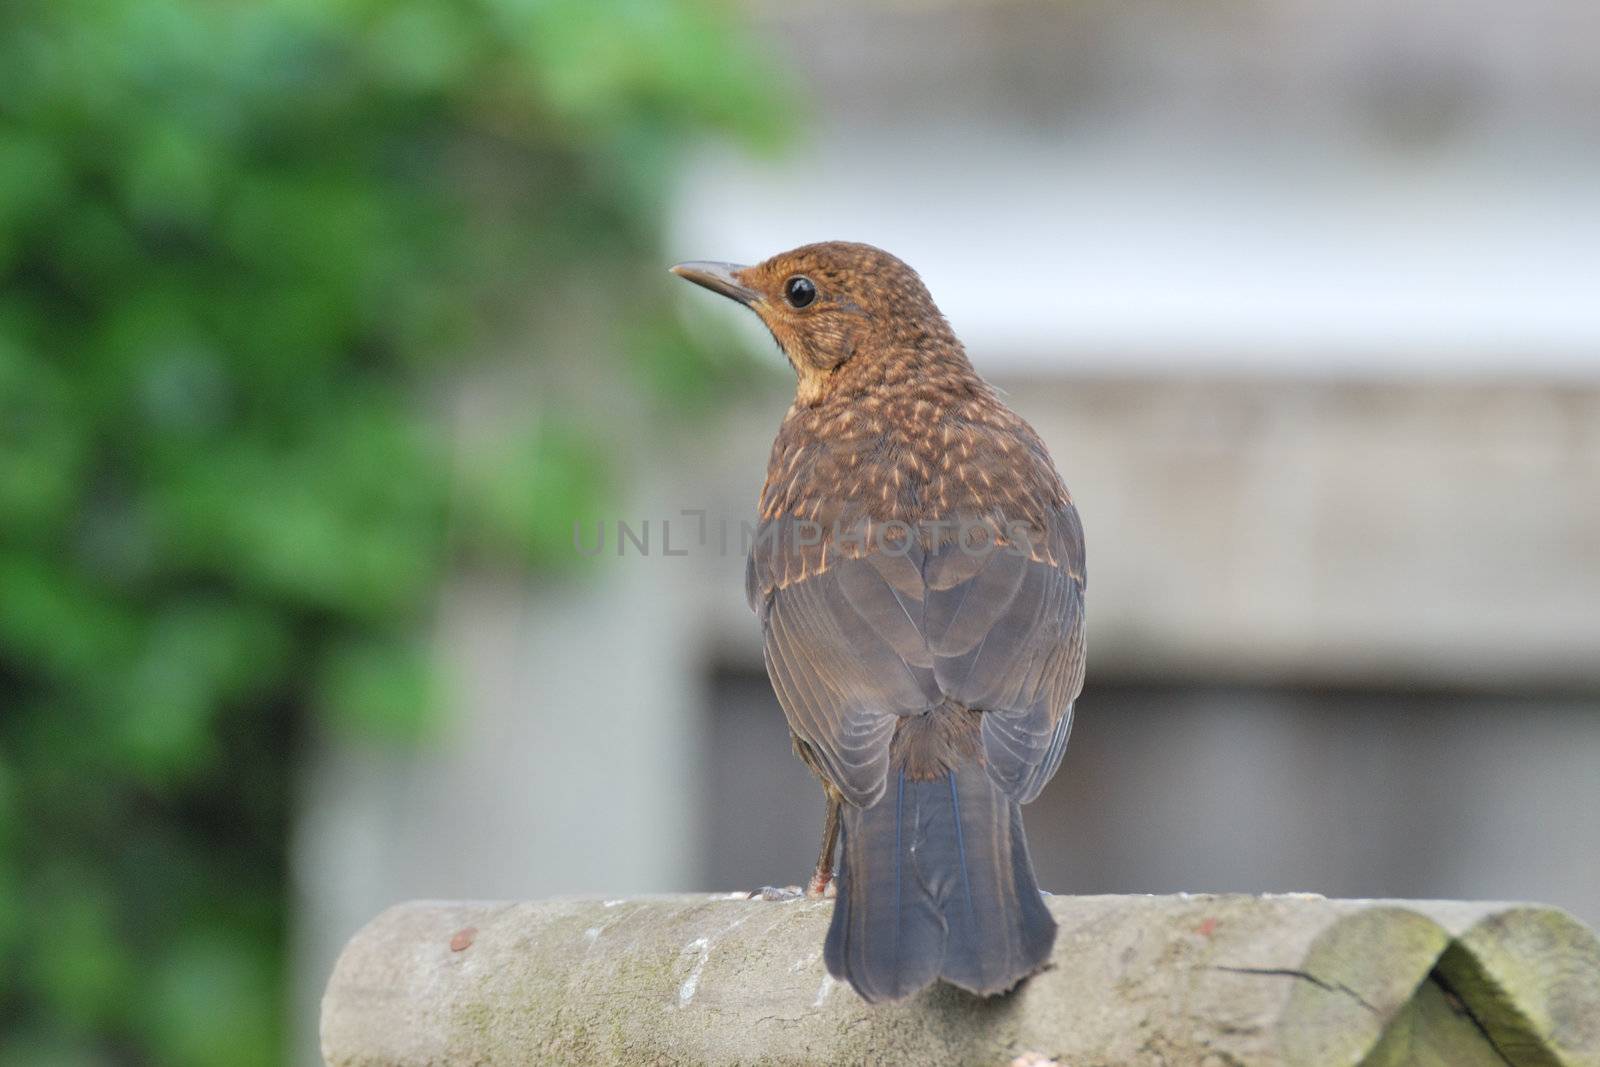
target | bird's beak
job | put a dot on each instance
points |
(719, 278)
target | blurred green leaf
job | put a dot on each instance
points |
(206, 996)
(78, 965)
(380, 690)
(36, 1046)
(524, 507)
(246, 252)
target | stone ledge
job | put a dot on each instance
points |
(1216, 981)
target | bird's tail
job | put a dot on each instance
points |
(935, 882)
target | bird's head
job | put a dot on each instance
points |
(835, 305)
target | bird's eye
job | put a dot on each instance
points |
(799, 291)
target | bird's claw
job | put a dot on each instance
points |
(773, 892)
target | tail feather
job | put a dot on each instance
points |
(935, 882)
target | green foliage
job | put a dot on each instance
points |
(243, 250)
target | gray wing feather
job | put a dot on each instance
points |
(866, 640)
(846, 658)
(1006, 631)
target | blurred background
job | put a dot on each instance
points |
(323, 324)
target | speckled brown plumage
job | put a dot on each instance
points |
(929, 685)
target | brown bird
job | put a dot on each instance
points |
(918, 571)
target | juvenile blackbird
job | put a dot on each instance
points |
(918, 571)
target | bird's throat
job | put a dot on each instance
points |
(811, 383)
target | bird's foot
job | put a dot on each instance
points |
(776, 892)
(821, 887)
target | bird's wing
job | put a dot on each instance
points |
(852, 643)
(844, 650)
(1005, 630)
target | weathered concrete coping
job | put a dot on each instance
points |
(1211, 981)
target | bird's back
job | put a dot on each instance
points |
(928, 678)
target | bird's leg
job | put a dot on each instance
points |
(821, 884)
(822, 877)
